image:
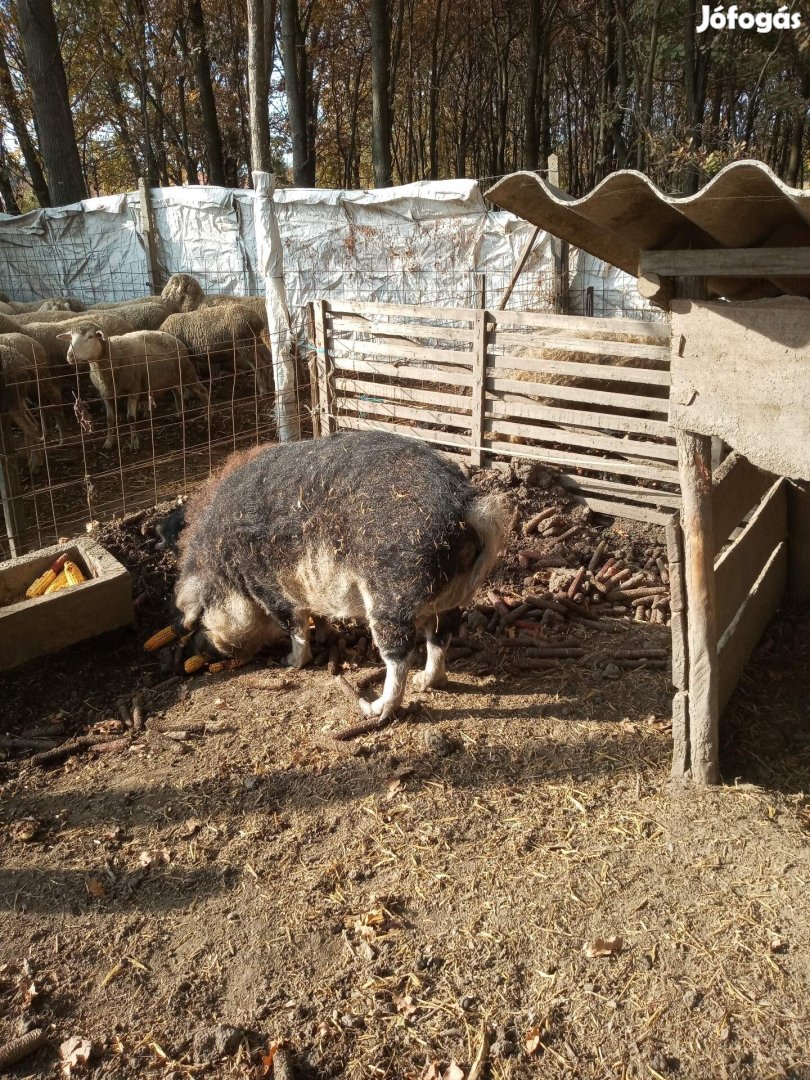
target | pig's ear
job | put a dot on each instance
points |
(101, 335)
(64, 337)
(189, 600)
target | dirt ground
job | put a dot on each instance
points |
(178, 905)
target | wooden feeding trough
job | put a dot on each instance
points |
(33, 627)
(732, 263)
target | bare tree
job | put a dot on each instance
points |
(8, 95)
(54, 122)
(299, 98)
(205, 88)
(381, 123)
(257, 87)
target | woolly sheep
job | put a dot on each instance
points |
(225, 333)
(130, 365)
(47, 334)
(44, 389)
(17, 385)
(182, 292)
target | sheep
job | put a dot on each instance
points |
(182, 292)
(363, 525)
(141, 315)
(18, 383)
(54, 303)
(257, 304)
(44, 389)
(129, 365)
(47, 334)
(224, 333)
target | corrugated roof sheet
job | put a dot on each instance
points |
(745, 205)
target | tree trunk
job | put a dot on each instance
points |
(205, 88)
(531, 137)
(49, 91)
(696, 70)
(6, 190)
(8, 95)
(189, 163)
(257, 88)
(380, 17)
(293, 55)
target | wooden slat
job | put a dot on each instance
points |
(737, 487)
(404, 330)
(576, 393)
(369, 307)
(408, 394)
(323, 364)
(651, 331)
(622, 490)
(605, 372)
(397, 411)
(507, 410)
(479, 386)
(619, 509)
(578, 461)
(406, 372)
(594, 346)
(746, 630)
(727, 262)
(741, 564)
(677, 602)
(680, 734)
(441, 437)
(419, 353)
(600, 421)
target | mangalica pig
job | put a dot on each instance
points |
(360, 525)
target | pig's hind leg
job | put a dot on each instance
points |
(439, 631)
(395, 641)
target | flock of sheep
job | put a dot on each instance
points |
(175, 342)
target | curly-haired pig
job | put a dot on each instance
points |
(360, 525)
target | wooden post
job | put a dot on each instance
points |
(323, 365)
(562, 296)
(480, 289)
(312, 365)
(479, 383)
(680, 656)
(694, 467)
(10, 490)
(518, 270)
(146, 224)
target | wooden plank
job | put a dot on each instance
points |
(518, 270)
(677, 603)
(394, 392)
(606, 372)
(404, 330)
(592, 346)
(600, 421)
(741, 564)
(397, 411)
(694, 456)
(727, 262)
(146, 227)
(324, 369)
(680, 735)
(404, 372)
(799, 546)
(479, 373)
(359, 423)
(10, 488)
(508, 410)
(577, 461)
(655, 332)
(742, 636)
(312, 365)
(736, 488)
(577, 393)
(753, 393)
(418, 311)
(417, 353)
(619, 509)
(618, 489)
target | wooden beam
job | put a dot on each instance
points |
(727, 262)
(324, 367)
(479, 385)
(146, 223)
(694, 459)
(10, 487)
(736, 489)
(518, 270)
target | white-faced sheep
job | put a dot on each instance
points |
(225, 334)
(257, 304)
(131, 365)
(182, 292)
(47, 334)
(53, 303)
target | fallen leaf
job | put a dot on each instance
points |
(75, 1054)
(777, 944)
(395, 785)
(404, 1004)
(453, 1072)
(95, 888)
(431, 1071)
(154, 857)
(603, 947)
(190, 828)
(532, 1040)
(267, 1059)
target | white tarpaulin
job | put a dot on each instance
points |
(420, 243)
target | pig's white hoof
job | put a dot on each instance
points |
(424, 680)
(108, 444)
(371, 708)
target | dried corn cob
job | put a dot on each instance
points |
(194, 664)
(226, 665)
(73, 573)
(59, 582)
(44, 580)
(163, 637)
